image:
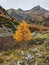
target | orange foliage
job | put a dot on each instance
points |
(22, 33)
(37, 26)
(1, 14)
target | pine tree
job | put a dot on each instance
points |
(23, 33)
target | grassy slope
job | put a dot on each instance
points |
(14, 55)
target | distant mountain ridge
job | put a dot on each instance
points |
(35, 15)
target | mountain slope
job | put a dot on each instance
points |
(36, 15)
(19, 14)
(7, 24)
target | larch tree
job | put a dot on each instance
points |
(22, 34)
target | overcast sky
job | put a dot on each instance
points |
(24, 4)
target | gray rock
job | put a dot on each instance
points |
(39, 54)
(22, 52)
(29, 57)
(35, 50)
(20, 62)
(7, 58)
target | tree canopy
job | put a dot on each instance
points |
(22, 33)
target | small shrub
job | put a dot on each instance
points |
(8, 52)
(38, 39)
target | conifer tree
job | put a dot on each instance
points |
(23, 33)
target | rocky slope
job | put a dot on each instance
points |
(36, 55)
(36, 15)
(7, 23)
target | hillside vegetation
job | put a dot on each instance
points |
(24, 36)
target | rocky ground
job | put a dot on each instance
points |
(37, 54)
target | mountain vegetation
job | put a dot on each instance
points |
(24, 36)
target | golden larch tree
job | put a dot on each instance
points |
(23, 33)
